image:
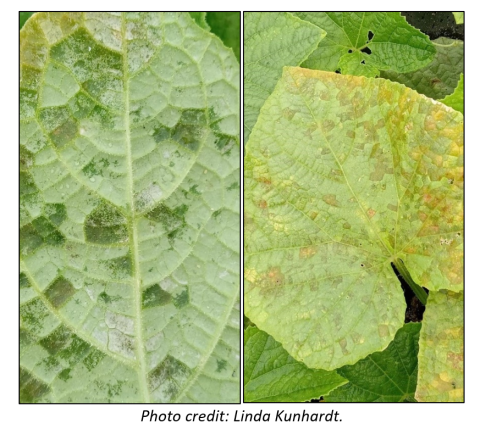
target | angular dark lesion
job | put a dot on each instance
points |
(168, 376)
(40, 231)
(173, 220)
(31, 388)
(106, 225)
(59, 292)
(155, 296)
(190, 129)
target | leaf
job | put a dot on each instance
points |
(458, 17)
(271, 375)
(455, 100)
(363, 43)
(129, 210)
(343, 175)
(387, 376)
(23, 17)
(440, 358)
(440, 77)
(271, 40)
(201, 19)
(226, 25)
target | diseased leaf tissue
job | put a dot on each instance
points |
(345, 175)
(129, 208)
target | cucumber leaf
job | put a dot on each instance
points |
(458, 17)
(440, 77)
(23, 17)
(363, 43)
(129, 207)
(455, 100)
(201, 19)
(343, 176)
(226, 25)
(272, 375)
(387, 376)
(440, 357)
(271, 40)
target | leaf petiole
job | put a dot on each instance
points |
(417, 289)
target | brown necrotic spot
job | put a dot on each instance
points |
(271, 281)
(106, 225)
(155, 296)
(307, 252)
(59, 292)
(331, 200)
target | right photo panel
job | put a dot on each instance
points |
(353, 206)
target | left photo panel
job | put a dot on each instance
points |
(129, 207)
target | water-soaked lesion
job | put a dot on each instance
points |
(59, 292)
(106, 225)
(155, 296)
(190, 129)
(182, 299)
(31, 389)
(173, 220)
(168, 378)
(39, 232)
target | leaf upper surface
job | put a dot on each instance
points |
(387, 376)
(129, 210)
(362, 43)
(344, 174)
(440, 355)
(455, 100)
(440, 77)
(272, 375)
(272, 40)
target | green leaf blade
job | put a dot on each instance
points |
(271, 375)
(458, 17)
(455, 100)
(387, 376)
(440, 77)
(129, 210)
(226, 25)
(334, 192)
(272, 40)
(362, 43)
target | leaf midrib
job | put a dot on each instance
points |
(132, 225)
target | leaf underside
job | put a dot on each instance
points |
(343, 175)
(387, 376)
(363, 43)
(271, 375)
(129, 210)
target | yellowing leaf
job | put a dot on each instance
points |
(343, 175)
(440, 357)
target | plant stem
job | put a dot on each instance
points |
(417, 289)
